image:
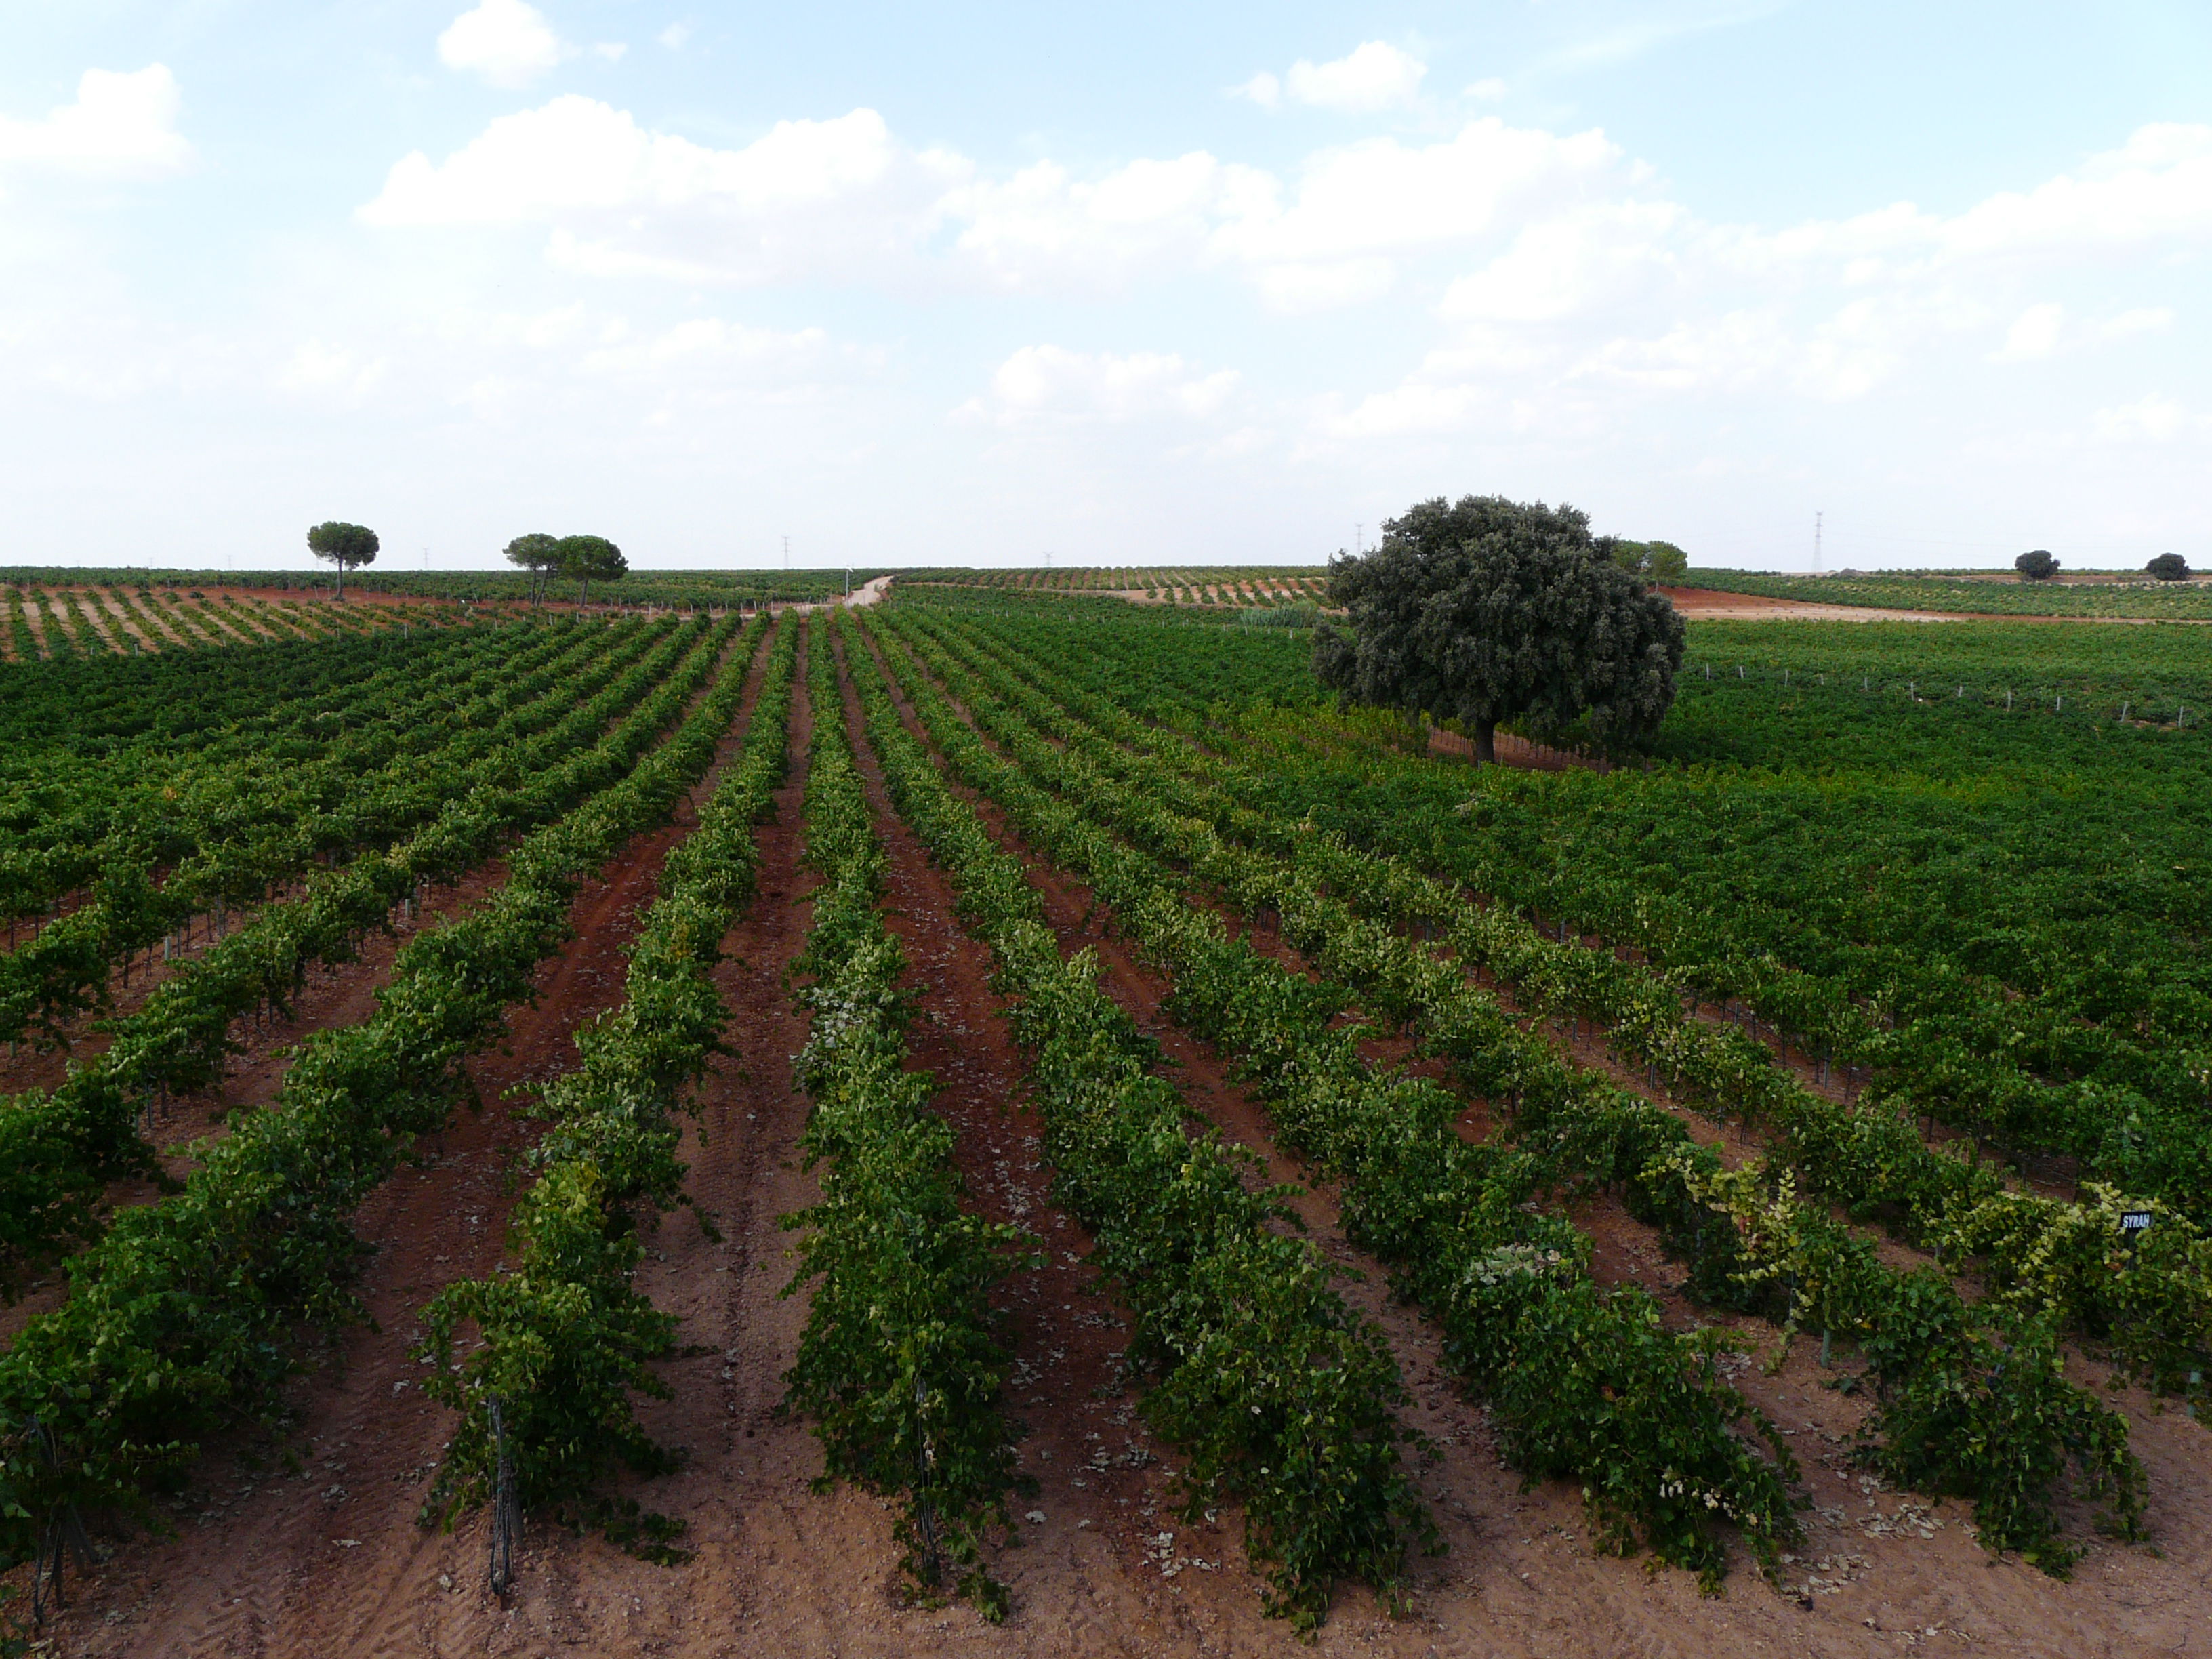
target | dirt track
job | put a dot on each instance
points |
(262, 1563)
(1711, 604)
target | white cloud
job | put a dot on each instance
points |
(1629, 40)
(1835, 354)
(1569, 288)
(508, 367)
(2155, 419)
(2034, 333)
(1380, 195)
(1263, 90)
(2158, 186)
(505, 43)
(1490, 87)
(1376, 75)
(2144, 320)
(715, 352)
(1046, 382)
(1489, 355)
(1583, 260)
(1608, 289)
(323, 373)
(1044, 229)
(1731, 352)
(846, 197)
(1373, 76)
(1294, 289)
(2043, 330)
(554, 332)
(122, 125)
(1335, 237)
(674, 36)
(832, 198)
(1414, 410)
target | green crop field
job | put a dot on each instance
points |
(1085, 989)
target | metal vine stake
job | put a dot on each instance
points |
(63, 1531)
(505, 1509)
(925, 1463)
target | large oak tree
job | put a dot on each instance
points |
(1489, 609)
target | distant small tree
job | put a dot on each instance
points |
(2169, 568)
(1489, 609)
(1656, 562)
(2036, 567)
(539, 554)
(345, 545)
(587, 559)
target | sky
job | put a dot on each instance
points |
(1136, 285)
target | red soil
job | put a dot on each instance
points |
(1712, 604)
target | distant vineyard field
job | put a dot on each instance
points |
(49, 620)
(1985, 594)
(682, 588)
(1237, 586)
